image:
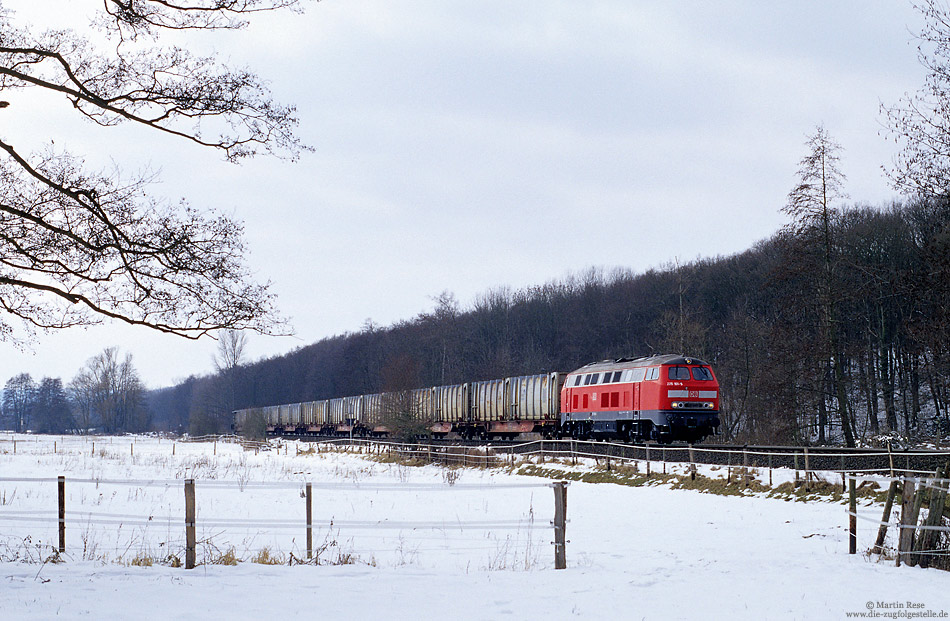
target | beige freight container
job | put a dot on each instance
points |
(452, 403)
(372, 410)
(289, 415)
(241, 416)
(423, 402)
(488, 401)
(313, 414)
(534, 397)
(352, 409)
(335, 411)
(272, 415)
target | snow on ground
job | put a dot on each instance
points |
(422, 545)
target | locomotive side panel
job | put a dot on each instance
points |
(661, 398)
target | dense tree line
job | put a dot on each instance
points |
(759, 317)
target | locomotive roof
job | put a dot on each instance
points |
(646, 361)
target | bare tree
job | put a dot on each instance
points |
(811, 207)
(230, 354)
(77, 245)
(112, 391)
(82, 392)
(445, 316)
(216, 397)
(920, 123)
(51, 410)
(18, 397)
(403, 404)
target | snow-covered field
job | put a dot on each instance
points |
(402, 542)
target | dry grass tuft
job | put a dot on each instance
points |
(227, 558)
(142, 560)
(266, 557)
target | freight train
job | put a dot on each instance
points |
(663, 398)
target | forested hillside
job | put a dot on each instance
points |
(811, 342)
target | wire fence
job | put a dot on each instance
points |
(804, 462)
(805, 459)
(231, 520)
(919, 530)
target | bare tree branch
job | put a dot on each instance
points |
(79, 246)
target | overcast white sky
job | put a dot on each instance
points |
(466, 146)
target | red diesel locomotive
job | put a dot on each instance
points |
(662, 398)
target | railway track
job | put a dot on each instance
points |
(824, 458)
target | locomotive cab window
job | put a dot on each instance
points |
(702, 374)
(679, 373)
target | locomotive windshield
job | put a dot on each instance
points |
(701, 374)
(679, 373)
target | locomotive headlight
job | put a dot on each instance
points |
(677, 404)
(708, 405)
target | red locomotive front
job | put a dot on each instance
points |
(665, 398)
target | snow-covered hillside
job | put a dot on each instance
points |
(405, 542)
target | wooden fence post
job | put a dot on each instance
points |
(745, 466)
(189, 523)
(938, 498)
(309, 520)
(61, 484)
(890, 457)
(885, 519)
(560, 525)
(906, 533)
(914, 514)
(648, 460)
(807, 470)
(852, 518)
(692, 464)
